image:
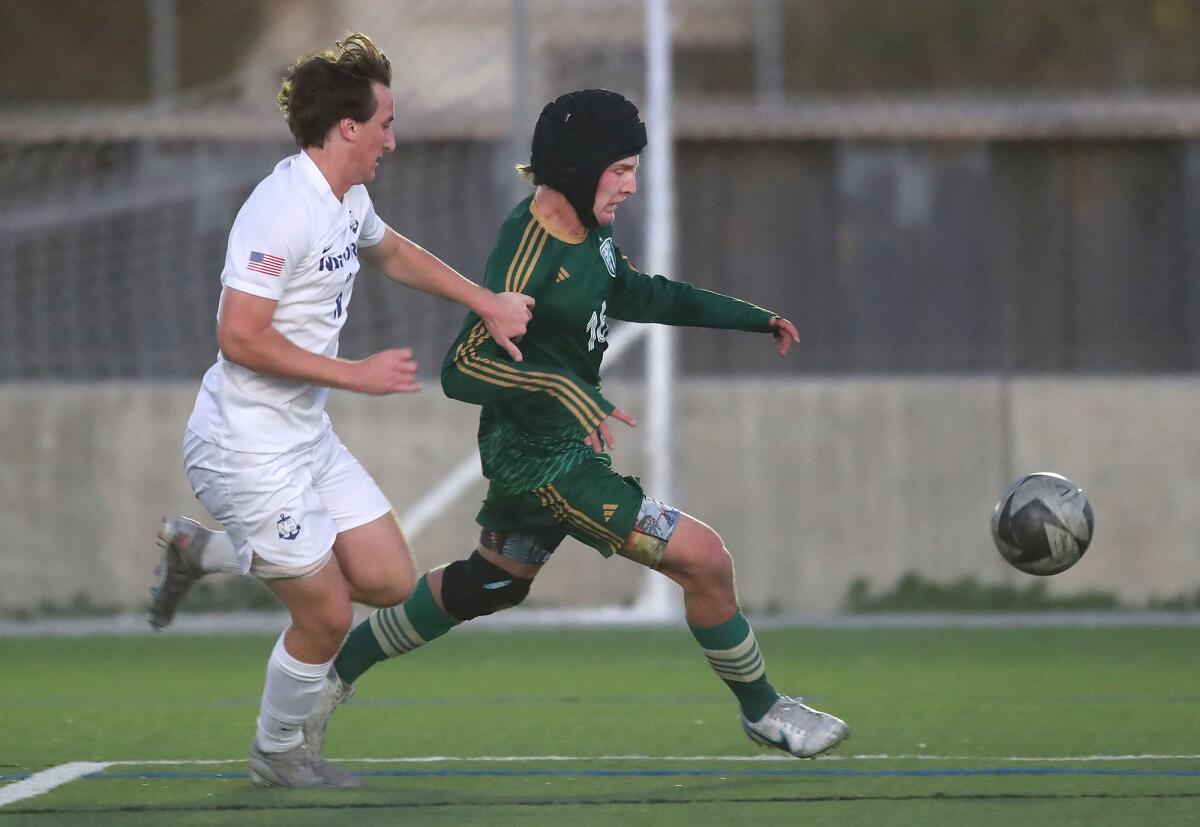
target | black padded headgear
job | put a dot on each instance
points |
(577, 136)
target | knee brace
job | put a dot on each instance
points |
(474, 587)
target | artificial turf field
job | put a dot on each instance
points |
(1025, 726)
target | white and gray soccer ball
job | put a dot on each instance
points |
(1042, 523)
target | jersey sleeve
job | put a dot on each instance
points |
(479, 371)
(265, 247)
(637, 297)
(372, 227)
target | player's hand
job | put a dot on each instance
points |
(389, 371)
(602, 437)
(506, 320)
(784, 333)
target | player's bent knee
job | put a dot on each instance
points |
(699, 556)
(709, 558)
(325, 628)
(393, 594)
(476, 587)
(337, 621)
(717, 561)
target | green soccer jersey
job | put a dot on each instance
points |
(537, 412)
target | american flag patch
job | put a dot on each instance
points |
(265, 263)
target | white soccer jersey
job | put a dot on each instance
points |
(295, 243)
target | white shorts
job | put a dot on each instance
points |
(283, 511)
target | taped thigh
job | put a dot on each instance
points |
(521, 546)
(656, 523)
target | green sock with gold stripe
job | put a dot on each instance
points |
(733, 654)
(393, 631)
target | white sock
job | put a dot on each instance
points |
(218, 554)
(290, 693)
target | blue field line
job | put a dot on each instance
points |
(948, 772)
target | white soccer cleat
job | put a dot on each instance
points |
(334, 693)
(793, 727)
(297, 767)
(183, 542)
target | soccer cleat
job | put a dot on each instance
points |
(334, 693)
(183, 542)
(793, 727)
(296, 767)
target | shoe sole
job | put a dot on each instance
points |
(260, 780)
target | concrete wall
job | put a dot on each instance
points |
(811, 482)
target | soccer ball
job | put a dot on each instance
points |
(1042, 523)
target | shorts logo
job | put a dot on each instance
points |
(289, 529)
(610, 257)
(609, 510)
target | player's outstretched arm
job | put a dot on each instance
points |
(504, 314)
(247, 338)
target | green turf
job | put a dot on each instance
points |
(974, 696)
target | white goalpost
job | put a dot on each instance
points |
(658, 599)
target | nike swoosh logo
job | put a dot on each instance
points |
(327, 249)
(499, 584)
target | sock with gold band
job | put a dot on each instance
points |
(394, 631)
(733, 653)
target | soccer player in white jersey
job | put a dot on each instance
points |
(298, 510)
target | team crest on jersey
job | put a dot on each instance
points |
(608, 253)
(353, 223)
(289, 529)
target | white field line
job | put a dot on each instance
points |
(47, 780)
(502, 759)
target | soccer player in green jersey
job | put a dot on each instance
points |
(543, 429)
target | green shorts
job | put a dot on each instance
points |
(591, 502)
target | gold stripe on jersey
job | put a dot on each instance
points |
(556, 502)
(472, 370)
(589, 414)
(466, 354)
(580, 405)
(524, 256)
(524, 281)
(492, 372)
(508, 277)
(532, 250)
